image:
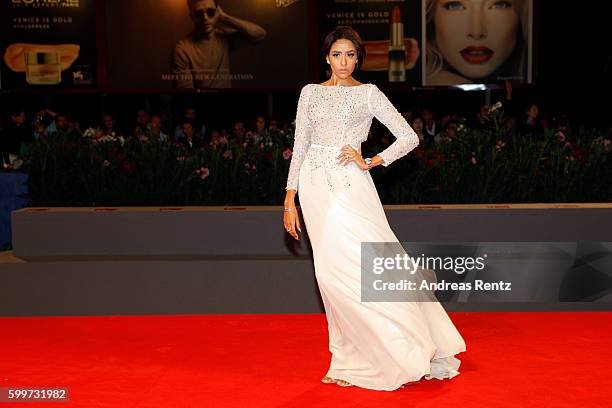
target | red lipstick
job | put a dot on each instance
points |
(397, 49)
(477, 55)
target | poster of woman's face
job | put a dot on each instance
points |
(477, 41)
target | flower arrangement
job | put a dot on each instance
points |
(490, 165)
(495, 165)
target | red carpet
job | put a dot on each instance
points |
(512, 360)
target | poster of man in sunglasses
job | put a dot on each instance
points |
(202, 58)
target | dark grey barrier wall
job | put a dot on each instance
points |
(152, 231)
(88, 261)
(240, 231)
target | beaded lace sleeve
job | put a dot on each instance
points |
(383, 110)
(301, 141)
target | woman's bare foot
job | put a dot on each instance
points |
(327, 380)
(343, 383)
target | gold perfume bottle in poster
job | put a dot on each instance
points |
(42, 63)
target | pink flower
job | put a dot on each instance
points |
(180, 158)
(474, 160)
(203, 172)
(106, 163)
(287, 154)
(561, 136)
(228, 154)
(261, 145)
(499, 145)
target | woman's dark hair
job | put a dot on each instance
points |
(344, 33)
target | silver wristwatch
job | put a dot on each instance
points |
(368, 161)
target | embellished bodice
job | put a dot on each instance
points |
(329, 117)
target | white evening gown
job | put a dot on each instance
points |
(375, 345)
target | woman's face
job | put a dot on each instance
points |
(476, 36)
(342, 58)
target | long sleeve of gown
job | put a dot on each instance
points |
(301, 140)
(387, 114)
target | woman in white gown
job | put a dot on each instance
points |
(375, 345)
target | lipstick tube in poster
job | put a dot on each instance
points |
(397, 49)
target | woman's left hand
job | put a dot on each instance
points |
(349, 154)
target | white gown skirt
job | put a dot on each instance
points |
(375, 345)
